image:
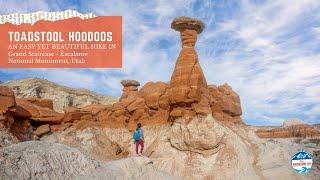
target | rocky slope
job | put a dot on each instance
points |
(60, 95)
(39, 160)
(204, 148)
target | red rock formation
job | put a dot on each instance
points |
(147, 106)
(40, 115)
(188, 90)
(157, 101)
(13, 117)
(17, 115)
(41, 130)
(155, 95)
(22, 129)
(130, 88)
(186, 95)
(225, 103)
(45, 103)
(150, 105)
(96, 108)
(7, 100)
(19, 112)
(288, 132)
(75, 114)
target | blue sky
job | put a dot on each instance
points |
(268, 51)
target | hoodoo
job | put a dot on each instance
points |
(188, 92)
(186, 96)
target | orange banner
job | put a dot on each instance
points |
(69, 43)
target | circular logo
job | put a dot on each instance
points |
(301, 162)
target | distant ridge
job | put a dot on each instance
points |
(61, 96)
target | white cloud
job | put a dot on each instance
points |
(270, 68)
(314, 112)
(316, 32)
(143, 60)
(25, 6)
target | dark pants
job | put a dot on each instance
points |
(139, 143)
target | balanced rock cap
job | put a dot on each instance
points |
(128, 82)
(181, 23)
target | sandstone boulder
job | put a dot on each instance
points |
(7, 99)
(46, 103)
(181, 23)
(152, 92)
(18, 112)
(13, 118)
(127, 83)
(225, 104)
(200, 135)
(41, 130)
(40, 115)
(225, 100)
(176, 112)
(130, 88)
(150, 105)
(7, 102)
(138, 103)
(75, 114)
(60, 127)
(96, 108)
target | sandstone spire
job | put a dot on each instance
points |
(188, 92)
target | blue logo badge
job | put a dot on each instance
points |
(301, 162)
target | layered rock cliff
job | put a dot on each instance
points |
(61, 96)
(290, 128)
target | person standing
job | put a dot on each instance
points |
(139, 139)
